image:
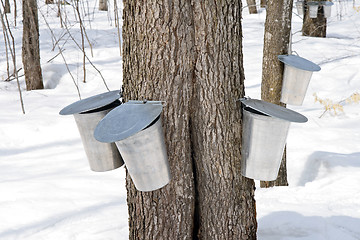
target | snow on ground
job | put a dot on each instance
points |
(48, 191)
(323, 199)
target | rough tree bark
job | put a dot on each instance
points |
(30, 46)
(252, 6)
(263, 3)
(103, 6)
(314, 27)
(189, 54)
(276, 42)
(7, 6)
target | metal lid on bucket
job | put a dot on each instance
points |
(91, 103)
(274, 110)
(313, 3)
(299, 62)
(326, 3)
(127, 120)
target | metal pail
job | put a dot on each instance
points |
(295, 84)
(313, 9)
(87, 113)
(296, 78)
(327, 11)
(327, 8)
(101, 156)
(136, 129)
(300, 7)
(264, 139)
(265, 128)
(145, 158)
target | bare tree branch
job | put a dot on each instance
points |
(12, 51)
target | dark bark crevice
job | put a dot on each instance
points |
(196, 224)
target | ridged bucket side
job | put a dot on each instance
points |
(145, 157)
(295, 84)
(101, 156)
(263, 144)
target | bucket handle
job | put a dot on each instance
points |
(241, 101)
(243, 98)
(295, 53)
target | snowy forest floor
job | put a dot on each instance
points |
(48, 191)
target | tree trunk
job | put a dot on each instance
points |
(103, 6)
(276, 42)
(30, 46)
(189, 54)
(263, 3)
(252, 6)
(314, 27)
(7, 7)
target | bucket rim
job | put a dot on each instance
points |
(126, 120)
(91, 103)
(299, 62)
(326, 3)
(274, 110)
(261, 116)
(313, 3)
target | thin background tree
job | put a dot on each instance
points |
(276, 42)
(7, 6)
(30, 46)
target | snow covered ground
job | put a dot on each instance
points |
(323, 199)
(48, 191)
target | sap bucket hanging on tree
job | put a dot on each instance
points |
(297, 75)
(136, 129)
(88, 113)
(300, 7)
(327, 8)
(313, 9)
(265, 128)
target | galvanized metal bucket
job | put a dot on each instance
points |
(313, 9)
(265, 129)
(136, 129)
(296, 79)
(327, 8)
(300, 7)
(88, 113)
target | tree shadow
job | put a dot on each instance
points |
(326, 160)
(65, 218)
(13, 151)
(292, 225)
(53, 73)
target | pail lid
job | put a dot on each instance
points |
(274, 110)
(326, 3)
(91, 103)
(313, 3)
(127, 120)
(299, 62)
